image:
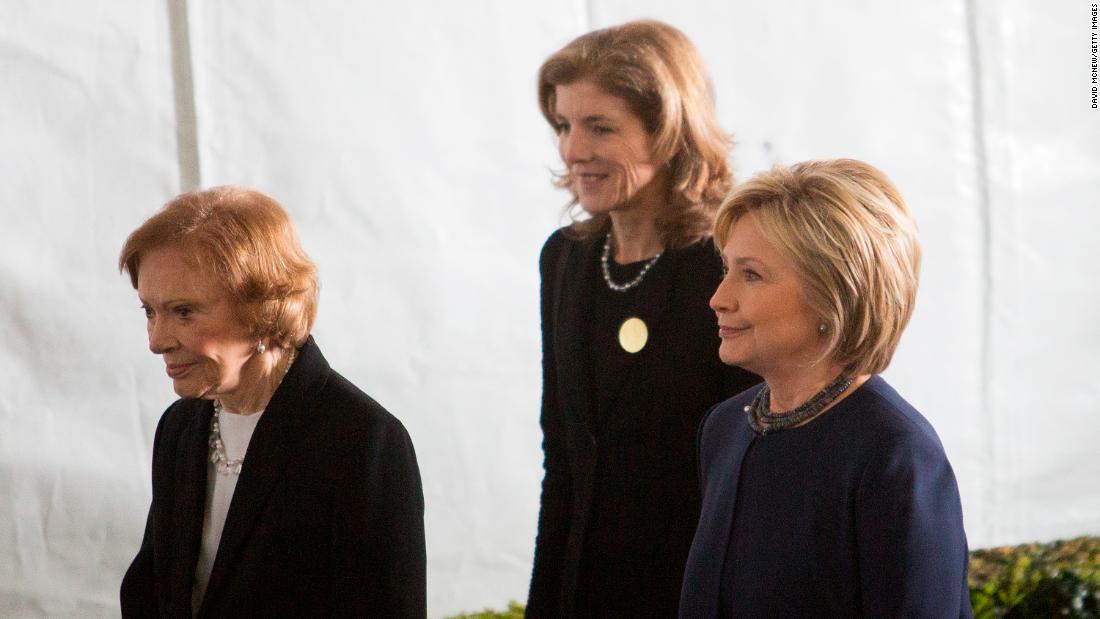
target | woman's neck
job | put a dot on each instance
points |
(789, 390)
(634, 228)
(260, 377)
(635, 237)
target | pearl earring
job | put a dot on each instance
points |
(260, 348)
(821, 328)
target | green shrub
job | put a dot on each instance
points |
(515, 611)
(1059, 579)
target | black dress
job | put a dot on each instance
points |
(620, 498)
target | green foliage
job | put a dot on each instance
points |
(1059, 579)
(515, 611)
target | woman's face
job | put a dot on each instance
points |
(191, 322)
(604, 145)
(764, 321)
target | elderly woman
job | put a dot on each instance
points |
(825, 494)
(279, 488)
(629, 346)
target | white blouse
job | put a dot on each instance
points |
(236, 432)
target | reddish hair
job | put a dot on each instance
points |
(245, 240)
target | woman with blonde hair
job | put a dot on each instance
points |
(279, 488)
(825, 493)
(629, 347)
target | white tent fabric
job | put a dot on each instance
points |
(405, 141)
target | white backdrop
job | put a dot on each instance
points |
(405, 141)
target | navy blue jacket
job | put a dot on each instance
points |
(856, 513)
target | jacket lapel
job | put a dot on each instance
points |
(271, 446)
(190, 501)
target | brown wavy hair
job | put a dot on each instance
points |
(659, 73)
(243, 239)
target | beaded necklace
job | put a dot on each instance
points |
(606, 268)
(222, 464)
(763, 421)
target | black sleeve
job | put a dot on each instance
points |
(557, 486)
(379, 528)
(138, 594)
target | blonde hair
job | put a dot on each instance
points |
(657, 71)
(245, 240)
(852, 240)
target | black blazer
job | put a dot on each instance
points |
(624, 491)
(326, 519)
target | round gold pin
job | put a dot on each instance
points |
(633, 334)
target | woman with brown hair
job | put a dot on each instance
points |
(630, 360)
(279, 488)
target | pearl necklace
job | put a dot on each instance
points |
(764, 421)
(607, 268)
(222, 464)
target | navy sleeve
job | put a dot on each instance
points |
(912, 548)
